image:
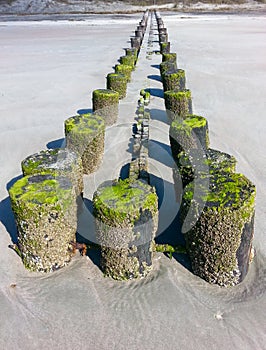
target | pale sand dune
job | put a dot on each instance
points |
(48, 72)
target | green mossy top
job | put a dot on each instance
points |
(178, 95)
(169, 57)
(225, 190)
(123, 68)
(50, 161)
(187, 125)
(128, 60)
(123, 200)
(36, 191)
(105, 93)
(89, 124)
(174, 73)
(164, 45)
(210, 162)
(116, 76)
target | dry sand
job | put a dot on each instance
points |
(48, 72)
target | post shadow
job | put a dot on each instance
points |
(59, 143)
(160, 115)
(161, 152)
(8, 220)
(6, 214)
(86, 231)
(172, 234)
(156, 66)
(85, 110)
(156, 92)
(155, 77)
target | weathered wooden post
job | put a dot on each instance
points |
(192, 163)
(85, 136)
(221, 226)
(187, 134)
(128, 60)
(126, 214)
(124, 69)
(135, 43)
(178, 103)
(167, 66)
(174, 80)
(117, 82)
(170, 57)
(105, 103)
(165, 47)
(45, 211)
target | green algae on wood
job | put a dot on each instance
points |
(126, 215)
(117, 82)
(105, 103)
(219, 239)
(57, 162)
(131, 52)
(85, 136)
(128, 60)
(169, 57)
(45, 211)
(165, 47)
(192, 163)
(124, 69)
(178, 103)
(167, 66)
(174, 80)
(189, 133)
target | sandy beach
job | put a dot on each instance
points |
(48, 72)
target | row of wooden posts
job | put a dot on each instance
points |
(44, 201)
(217, 204)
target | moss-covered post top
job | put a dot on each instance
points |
(105, 93)
(178, 94)
(169, 57)
(90, 124)
(52, 160)
(191, 122)
(40, 190)
(118, 199)
(229, 190)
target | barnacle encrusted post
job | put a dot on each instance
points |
(128, 60)
(174, 80)
(178, 103)
(193, 162)
(189, 133)
(126, 213)
(219, 240)
(117, 82)
(124, 69)
(165, 47)
(131, 52)
(85, 136)
(45, 211)
(169, 57)
(167, 66)
(105, 103)
(135, 43)
(60, 161)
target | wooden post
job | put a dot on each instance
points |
(126, 215)
(45, 211)
(85, 136)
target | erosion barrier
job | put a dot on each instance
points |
(217, 206)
